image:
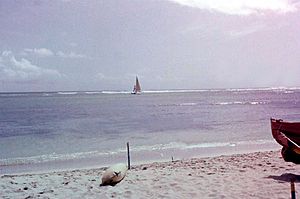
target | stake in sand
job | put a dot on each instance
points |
(293, 193)
(128, 156)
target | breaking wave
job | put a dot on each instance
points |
(115, 92)
(67, 93)
(285, 90)
(134, 149)
(242, 103)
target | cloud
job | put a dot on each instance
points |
(70, 55)
(22, 70)
(43, 52)
(246, 30)
(241, 7)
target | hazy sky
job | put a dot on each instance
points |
(169, 44)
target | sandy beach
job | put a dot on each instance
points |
(252, 175)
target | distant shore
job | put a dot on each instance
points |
(249, 175)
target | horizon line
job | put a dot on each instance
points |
(167, 89)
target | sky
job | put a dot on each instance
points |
(67, 45)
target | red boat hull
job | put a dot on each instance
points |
(287, 134)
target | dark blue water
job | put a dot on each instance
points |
(40, 128)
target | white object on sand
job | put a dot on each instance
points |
(114, 174)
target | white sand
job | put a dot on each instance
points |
(254, 175)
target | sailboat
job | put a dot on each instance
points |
(137, 87)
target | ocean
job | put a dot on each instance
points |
(45, 131)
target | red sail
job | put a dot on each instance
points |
(137, 87)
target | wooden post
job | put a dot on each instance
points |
(128, 156)
(293, 193)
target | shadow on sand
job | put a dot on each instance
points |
(286, 177)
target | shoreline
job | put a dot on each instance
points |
(249, 175)
(137, 158)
